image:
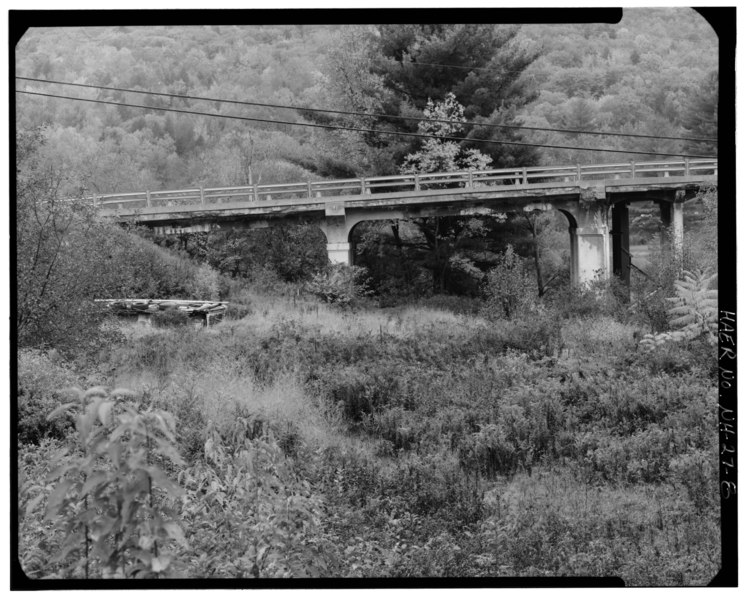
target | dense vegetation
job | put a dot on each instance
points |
(305, 441)
(447, 407)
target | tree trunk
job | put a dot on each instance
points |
(532, 225)
(404, 261)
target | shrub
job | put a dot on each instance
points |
(111, 493)
(677, 358)
(246, 511)
(508, 288)
(38, 539)
(204, 283)
(360, 392)
(695, 470)
(40, 382)
(237, 311)
(339, 284)
(268, 281)
(457, 304)
(601, 296)
(602, 335)
(538, 334)
(694, 312)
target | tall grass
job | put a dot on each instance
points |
(421, 442)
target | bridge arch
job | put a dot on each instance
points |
(589, 237)
(338, 232)
(594, 254)
(569, 217)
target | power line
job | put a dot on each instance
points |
(360, 129)
(367, 114)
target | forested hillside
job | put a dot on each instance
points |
(637, 76)
(118, 149)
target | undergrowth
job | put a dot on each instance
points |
(423, 443)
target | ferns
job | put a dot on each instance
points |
(694, 311)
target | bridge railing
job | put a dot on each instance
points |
(211, 197)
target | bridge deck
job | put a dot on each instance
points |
(532, 183)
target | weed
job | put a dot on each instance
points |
(111, 492)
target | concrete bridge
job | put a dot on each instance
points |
(594, 199)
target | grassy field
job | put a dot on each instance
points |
(412, 441)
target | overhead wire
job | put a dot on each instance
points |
(360, 129)
(365, 114)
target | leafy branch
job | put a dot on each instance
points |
(694, 311)
(107, 486)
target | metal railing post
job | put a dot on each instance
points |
(202, 196)
(309, 189)
(524, 176)
(147, 198)
(579, 172)
(417, 183)
(687, 167)
(254, 193)
(470, 179)
(633, 169)
(363, 186)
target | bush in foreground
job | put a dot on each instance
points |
(339, 284)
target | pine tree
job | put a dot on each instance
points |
(395, 70)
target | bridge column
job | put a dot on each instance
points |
(590, 238)
(340, 253)
(620, 239)
(336, 230)
(671, 216)
(590, 254)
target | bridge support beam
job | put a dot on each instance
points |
(340, 253)
(590, 254)
(337, 229)
(621, 245)
(671, 216)
(590, 237)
